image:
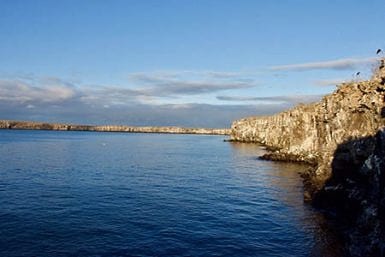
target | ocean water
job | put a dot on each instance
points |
(116, 194)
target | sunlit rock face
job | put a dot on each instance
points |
(312, 132)
(343, 135)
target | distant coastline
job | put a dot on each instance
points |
(32, 125)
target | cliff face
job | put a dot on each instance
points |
(343, 135)
(355, 194)
(311, 133)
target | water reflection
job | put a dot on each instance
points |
(151, 195)
(247, 149)
(284, 184)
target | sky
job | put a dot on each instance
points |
(193, 63)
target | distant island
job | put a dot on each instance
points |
(31, 125)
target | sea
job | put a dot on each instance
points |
(123, 194)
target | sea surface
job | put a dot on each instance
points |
(117, 194)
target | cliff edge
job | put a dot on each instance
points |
(342, 136)
(312, 132)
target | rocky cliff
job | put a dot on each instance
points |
(7, 124)
(312, 132)
(354, 194)
(342, 137)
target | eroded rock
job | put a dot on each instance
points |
(344, 135)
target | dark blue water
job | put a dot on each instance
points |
(112, 194)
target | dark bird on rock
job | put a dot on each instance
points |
(379, 51)
(382, 64)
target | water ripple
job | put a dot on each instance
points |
(62, 194)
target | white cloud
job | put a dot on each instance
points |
(163, 84)
(290, 99)
(22, 92)
(329, 82)
(339, 64)
(56, 100)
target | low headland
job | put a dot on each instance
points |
(31, 125)
(342, 137)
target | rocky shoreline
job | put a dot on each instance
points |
(29, 125)
(343, 138)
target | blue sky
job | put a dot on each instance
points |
(187, 63)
